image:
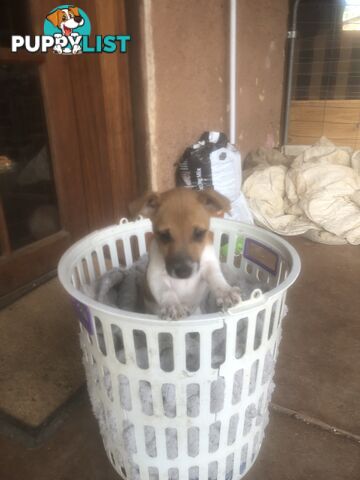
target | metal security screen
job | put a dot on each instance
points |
(326, 73)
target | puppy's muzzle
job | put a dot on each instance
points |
(181, 266)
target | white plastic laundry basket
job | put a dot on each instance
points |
(186, 399)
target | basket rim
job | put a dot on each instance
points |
(74, 252)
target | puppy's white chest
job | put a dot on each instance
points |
(190, 291)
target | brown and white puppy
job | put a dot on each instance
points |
(66, 19)
(182, 261)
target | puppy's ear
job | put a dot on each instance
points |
(75, 11)
(54, 18)
(146, 205)
(213, 201)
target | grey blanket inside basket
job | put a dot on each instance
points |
(122, 288)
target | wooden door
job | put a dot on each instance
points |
(66, 146)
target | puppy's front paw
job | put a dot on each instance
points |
(173, 311)
(76, 49)
(228, 297)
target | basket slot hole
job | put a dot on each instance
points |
(96, 264)
(171, 445)
(237, 386)
(124, 392)
(249, 268)
(148, 237)
(153, 473)
(243, 458)
(107, 257)
(218, 350)
(268, 369)
(253, 377)
(192, 342)
(250, 414)
(146, 397)
(214, 436)
(100, 335)
(173, 474)
(217, 392)
(193, 399)
(229, 467)
(259, 415)
(213, 471)
(135, 250)
(75, 278)
(193, 436)
(241, 336)
(134, 471)
(108, 383)
(129, 437)
(141, 351)
(260, 318)
(118, 341)
(237, 261)
(166, 352)
(255, 447)
(150, 441)
(272, 319)
(194, 473)
(224, 247)
(85, 272)
(233, 426)
(120, 250)
(262, 276)
(168, 392)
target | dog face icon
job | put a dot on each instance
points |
(66, 19)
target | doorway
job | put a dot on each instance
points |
(66, 143)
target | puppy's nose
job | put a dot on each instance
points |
(183, 269)
(78, 19)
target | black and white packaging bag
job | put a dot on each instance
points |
(215, 163)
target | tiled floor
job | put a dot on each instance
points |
(317, 375)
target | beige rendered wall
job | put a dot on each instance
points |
(179, 70)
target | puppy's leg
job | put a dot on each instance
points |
(165, 301)
(170, 308)
(225, 295)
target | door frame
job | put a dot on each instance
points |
(90, 129)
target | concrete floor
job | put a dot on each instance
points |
(40, 366)
(314, 432)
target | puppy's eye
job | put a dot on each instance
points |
(64, 17)
(199, 234)
(164, 236)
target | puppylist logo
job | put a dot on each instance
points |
(67, 31)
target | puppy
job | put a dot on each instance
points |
(182, 260)
(66, 20)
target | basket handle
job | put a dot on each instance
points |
(256, 297)
(124, 220)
